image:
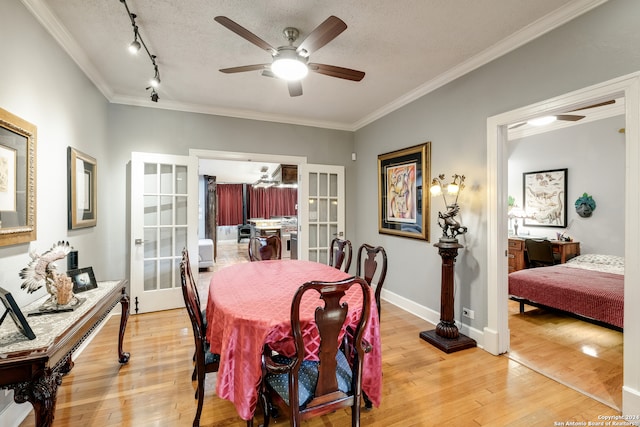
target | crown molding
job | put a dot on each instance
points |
(545, 24)
(530, 32)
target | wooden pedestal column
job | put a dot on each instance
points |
(446, 336)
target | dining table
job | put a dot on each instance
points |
(249, 305)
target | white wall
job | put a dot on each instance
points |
(593, 153)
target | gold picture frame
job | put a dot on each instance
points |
(403, 209)
(82, 185)
(18, 176)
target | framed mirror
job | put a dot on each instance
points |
(17, 180)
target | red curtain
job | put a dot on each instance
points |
(272, 201)
(229, 204)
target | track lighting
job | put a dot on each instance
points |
(154, 94)
(155, 81)
(135, 46)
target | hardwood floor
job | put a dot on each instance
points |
(579, 354)
(422, 386)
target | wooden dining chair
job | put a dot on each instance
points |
(368, 265)
(310, 388)
(340, 253)
(205, 361)
(265, 248)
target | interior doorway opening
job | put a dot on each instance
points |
(266, 165)
(497, 331)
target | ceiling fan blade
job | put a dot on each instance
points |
(600, 104)
(295, 88)
(268, 73)
(569, 117)
(245, 34)
(244, 68)
(323, 34)
(339, 72)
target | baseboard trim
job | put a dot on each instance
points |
(429, 315)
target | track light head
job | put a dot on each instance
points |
(155, 81)
(154, 94)
(135, 46)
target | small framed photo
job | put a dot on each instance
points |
(12, 309)
(83, 279)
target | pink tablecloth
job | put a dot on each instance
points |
(249, 305)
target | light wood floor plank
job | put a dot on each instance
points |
(422, 386)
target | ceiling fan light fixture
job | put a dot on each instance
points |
(542, 121)
(288, 66)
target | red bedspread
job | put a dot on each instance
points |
(589, 293)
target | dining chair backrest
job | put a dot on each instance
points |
(340, 253)
(368, 260)
(310, 388)
(265, 248)
(540, 253)
(204, 360)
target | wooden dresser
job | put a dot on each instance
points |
(567, 250)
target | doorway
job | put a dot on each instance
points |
(496, 333)
(581, 355)
(241, 163)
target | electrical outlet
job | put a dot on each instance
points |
(468, 313)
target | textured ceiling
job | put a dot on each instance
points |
(406, 48)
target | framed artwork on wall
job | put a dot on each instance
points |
(402, 208)
(82, 186)
(17, 180)
(545, 198)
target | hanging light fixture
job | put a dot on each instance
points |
(135, 46)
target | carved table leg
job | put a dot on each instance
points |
(41, 393)
(123, 357)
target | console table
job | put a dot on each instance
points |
(33, 369)
(567, 250)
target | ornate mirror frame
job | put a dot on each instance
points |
(17, 180)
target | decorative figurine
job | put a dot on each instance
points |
(41, 271)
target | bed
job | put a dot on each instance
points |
(589, 286)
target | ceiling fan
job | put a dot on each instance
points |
(291, 62)
(564, 117)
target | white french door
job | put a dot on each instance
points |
(322, 210)
(164, 202)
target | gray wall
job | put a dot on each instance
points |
(598, 46)
(593, 153)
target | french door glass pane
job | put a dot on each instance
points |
(166, 273)
(166, 179)
(151, 242)
(150, 210)
(181, 179)
(166, 242)
(150, 275)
